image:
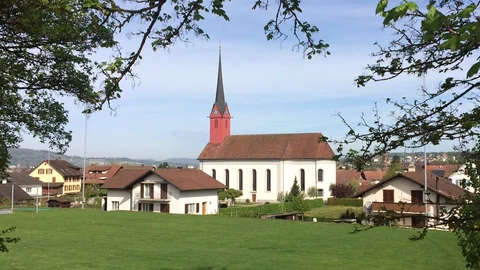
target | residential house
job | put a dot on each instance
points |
(184, 191)
(455, 172)
(59, 172)
(30, 185)
(19, 195)
(97, 175)
(264, 165)
(404, 194)
(364, 178)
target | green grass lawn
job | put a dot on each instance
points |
(92, 239)
(331, 211)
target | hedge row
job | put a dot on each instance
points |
(268, 208)
(345, 202)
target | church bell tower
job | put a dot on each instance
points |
(220, 114)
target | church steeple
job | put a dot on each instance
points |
(220, 97)
(220, 114)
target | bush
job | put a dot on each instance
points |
(266, 203)
(312, 192)
(345, 202)
(342, 190)
(255, 211)
(247, 201)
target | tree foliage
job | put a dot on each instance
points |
(46, 50)
(4, 240)
(340, 190)
(440, 37)
(295, 189)
(229, 194)
(300, 205)
(394, 168)
(164, 165)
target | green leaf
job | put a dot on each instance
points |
(473, 70)
(382, 4)
(412, 6)
(465, 13)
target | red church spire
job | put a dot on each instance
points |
(220, 114)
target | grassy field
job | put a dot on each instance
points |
(91, 239)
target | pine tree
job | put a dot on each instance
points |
(295, 190)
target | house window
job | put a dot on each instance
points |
(302, 180)
(320, 192)
(320, 175)
(41, 171)
(28, 189)
(190, 208)
(269, 180)
(38, 178)
(457, 182)
(254, 180)
(227, 178)
(146, 207)
(49, 171)
(54, 179)
(388, 196)
(216, 123)
(214, 174)
(115, 205)
(147, 191)
(417, 196)
(240, 179)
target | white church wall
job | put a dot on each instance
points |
(282, 175)
(247, 167)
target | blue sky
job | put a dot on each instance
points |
(269, 87)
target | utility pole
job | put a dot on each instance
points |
(12, 196)
(36, 204)
(425, 166)
(84, 162)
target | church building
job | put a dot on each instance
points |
(263, 165)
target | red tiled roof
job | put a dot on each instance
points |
(269, 146)
(189, 179)
(183, 179)
(444, 187)
(347, 176)
(100, 178)
(374, 175)
(125, 177)
(448, 169)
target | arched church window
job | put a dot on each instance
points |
(320, 175)
(254, 180)
(269, 180)
(227, 178)
(302, 180)
(226, 123)
(216, 123)
(214, 174)
(240, 179)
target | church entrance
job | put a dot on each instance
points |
(254, 197)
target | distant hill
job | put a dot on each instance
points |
(31, 157)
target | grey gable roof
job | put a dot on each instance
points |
(23, 179)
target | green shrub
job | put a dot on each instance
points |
(247, 201)
(267, 203)
(346, 202)
(255, 211)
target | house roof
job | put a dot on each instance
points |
(18, 193)
(63, 167)
(269, 146)
(23, 179)
(183, 179)
(444, 187)
(189, 179)
(51, 185)
(374, 175)
(100, 178)
(447, 169)
(346, 176)
(126, 176)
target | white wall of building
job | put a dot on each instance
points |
(176, 198)
(33, 191)
(121, 196)
(283, 173)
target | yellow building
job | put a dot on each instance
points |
(59, 172)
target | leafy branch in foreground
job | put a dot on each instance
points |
(46, 50)
(7, 240)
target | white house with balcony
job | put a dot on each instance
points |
(178, 191)
(404, 194)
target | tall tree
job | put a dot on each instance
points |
(46, 48)
(441, 36)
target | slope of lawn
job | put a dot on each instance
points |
(92, 239)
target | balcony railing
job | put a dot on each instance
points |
(399, 207)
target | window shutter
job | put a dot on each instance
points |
(186, 208)
(151, 191)
(141, 190)
(198, 208)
